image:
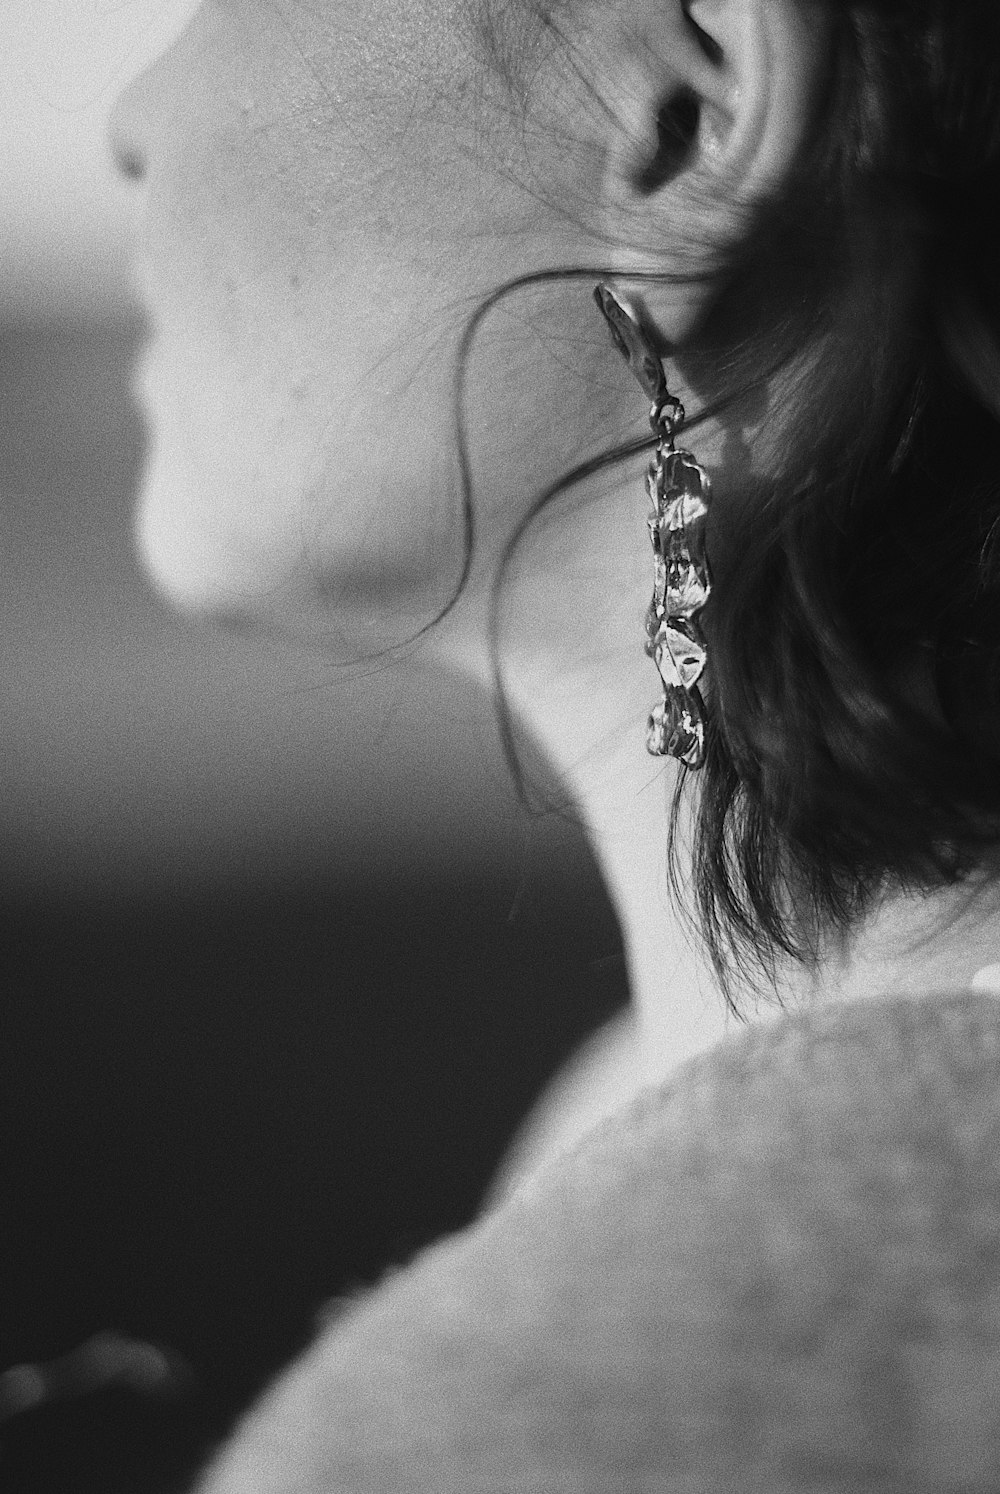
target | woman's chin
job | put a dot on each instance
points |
(195, 570)
(207, 573)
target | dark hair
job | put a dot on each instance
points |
(854, 739)
(854, 735)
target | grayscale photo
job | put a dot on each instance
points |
(500, 747)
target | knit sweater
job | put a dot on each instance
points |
(779, 1270)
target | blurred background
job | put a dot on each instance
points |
(283, 961)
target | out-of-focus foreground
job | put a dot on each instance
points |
(283, 963)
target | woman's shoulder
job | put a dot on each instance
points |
(607, 1073)
(783, 1260)
(598, 1080)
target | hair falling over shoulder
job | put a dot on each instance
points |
(854, 733)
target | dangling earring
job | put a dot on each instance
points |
(679, 490)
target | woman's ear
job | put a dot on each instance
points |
(706, 105)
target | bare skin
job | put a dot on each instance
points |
(332, 191)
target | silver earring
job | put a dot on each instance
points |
(679, 489)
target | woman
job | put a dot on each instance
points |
(384, 407)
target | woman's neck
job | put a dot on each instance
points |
(576, 677)
(911, 944)
(677, 1003)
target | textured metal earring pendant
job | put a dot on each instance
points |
(679, 490)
